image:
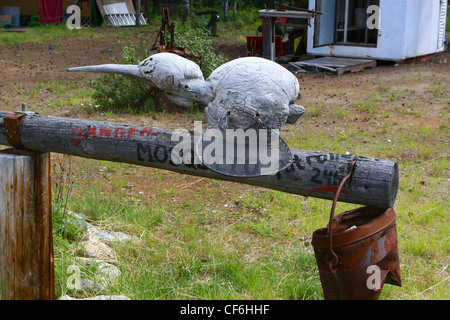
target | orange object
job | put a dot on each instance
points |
(255, 46)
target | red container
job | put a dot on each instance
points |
(372, 241)
(255, 46)
(355, 244)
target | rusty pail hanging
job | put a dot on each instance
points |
(357, 253)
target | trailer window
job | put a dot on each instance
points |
(344, 22)
(351, 23)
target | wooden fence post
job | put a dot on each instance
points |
(26, 241)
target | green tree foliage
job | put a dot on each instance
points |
(246, 4)
(116, 92)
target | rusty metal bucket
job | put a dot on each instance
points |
(357, 253)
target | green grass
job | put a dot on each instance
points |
(43, 34)
(189, 252)
(372, 103)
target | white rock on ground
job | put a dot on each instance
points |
(110, 237)
(97, 249)
(105, 271)
(98, 252)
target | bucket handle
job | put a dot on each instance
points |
(333, 262)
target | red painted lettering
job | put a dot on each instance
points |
(328, 188)
(105, 132)
(147, 131)
(119, 133)
(76, 136)
(131, 132)
(92, 131)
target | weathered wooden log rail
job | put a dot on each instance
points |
(374, 182)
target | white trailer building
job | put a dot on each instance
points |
(403, 29)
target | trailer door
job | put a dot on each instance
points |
(325, 24)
